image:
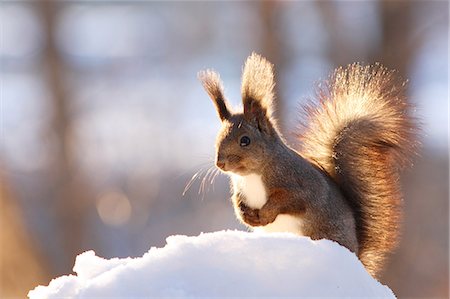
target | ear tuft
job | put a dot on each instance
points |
(258, 83)
(212, 83)
(214, 87)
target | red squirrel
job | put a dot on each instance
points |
(342, 183)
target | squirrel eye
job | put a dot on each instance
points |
(245, 141)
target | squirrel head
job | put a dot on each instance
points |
(245, 138)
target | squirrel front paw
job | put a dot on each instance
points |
(249, 215)
(267, 214)
(257, 217)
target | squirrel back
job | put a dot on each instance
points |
(361, 133)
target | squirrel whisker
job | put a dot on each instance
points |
(192, 180)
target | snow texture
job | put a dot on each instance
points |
(222, 264)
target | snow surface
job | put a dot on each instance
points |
(222, 264)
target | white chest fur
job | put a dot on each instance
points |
(255, 195)
(253, 189)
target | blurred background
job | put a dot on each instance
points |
(103, 121)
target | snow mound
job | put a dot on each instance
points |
(222, 264)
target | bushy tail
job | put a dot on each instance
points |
(362, 134)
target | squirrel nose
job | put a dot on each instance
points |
(220, 162)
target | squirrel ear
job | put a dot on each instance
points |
(257, 90)
(214, 87)
(256, 114)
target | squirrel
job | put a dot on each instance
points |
(342, 183)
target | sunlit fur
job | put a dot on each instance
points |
(360, 131)
(258, 82)
(213, 85)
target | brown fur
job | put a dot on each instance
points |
(344, 183)
(361, 133)
(213, 85)
(258, 83)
